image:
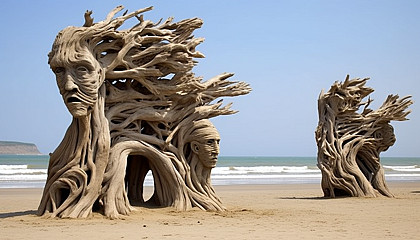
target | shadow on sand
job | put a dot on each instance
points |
(17, 214)
(303, 198)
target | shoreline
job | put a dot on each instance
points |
(290, 211)
(31, 171)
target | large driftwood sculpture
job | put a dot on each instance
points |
(136, 107)
(349, 142)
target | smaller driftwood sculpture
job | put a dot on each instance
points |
(349, 142)
(137, 108)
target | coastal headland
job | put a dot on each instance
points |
(18, 148)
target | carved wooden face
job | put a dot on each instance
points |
(386, 136)
(207, 150)
(79, 77)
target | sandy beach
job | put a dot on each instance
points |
(289, 211)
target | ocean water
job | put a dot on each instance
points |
(30, 171)
(23, 171)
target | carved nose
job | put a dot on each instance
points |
(216, 148)
(70, 85)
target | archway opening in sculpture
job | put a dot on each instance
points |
(138, 168)
(148, 186)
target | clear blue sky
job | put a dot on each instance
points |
(288, 51)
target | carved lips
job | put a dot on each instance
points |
(76, 106)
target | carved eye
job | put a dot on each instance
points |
(58, 70)
(82, 69)
(212, 141)
(378, 134)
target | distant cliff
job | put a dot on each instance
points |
(7, 147)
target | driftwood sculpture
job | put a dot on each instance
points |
(350, 141)
(136, 107)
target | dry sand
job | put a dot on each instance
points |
(292, 211)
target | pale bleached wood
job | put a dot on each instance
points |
(350, 139)
(135, 104)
